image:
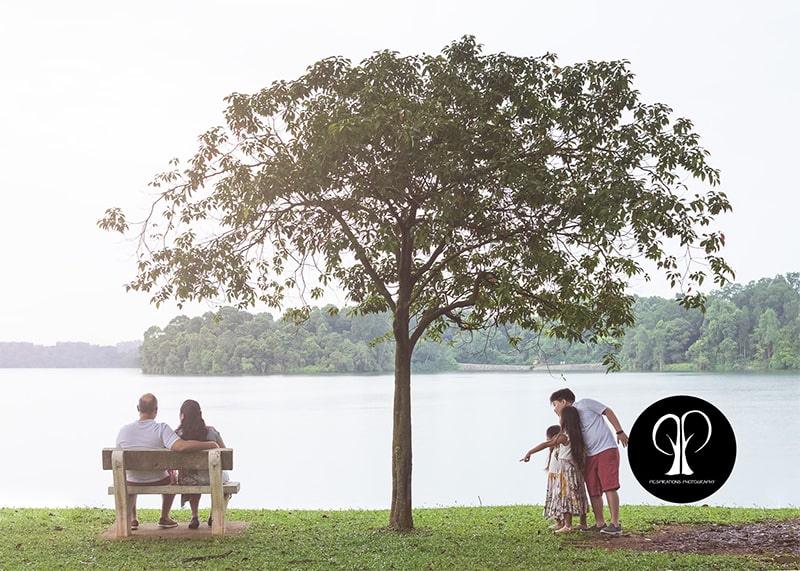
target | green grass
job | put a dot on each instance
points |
(485, 538)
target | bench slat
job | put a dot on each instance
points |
(152, 459)
(227, 488)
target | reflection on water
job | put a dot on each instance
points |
(324, 442)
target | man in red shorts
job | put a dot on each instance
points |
(602, 462)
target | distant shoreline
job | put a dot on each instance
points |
(543, 367)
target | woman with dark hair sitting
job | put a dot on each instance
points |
(193, 427)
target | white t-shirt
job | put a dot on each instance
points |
(146, 434)
(597, 435)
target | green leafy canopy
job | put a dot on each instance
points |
(468, 187)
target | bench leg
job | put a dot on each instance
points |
(124, 515)
(218, 514)
(123, 501)
(219, 502)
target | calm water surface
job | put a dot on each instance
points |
(324, 442)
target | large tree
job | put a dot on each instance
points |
(463, 187)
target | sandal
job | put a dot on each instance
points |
(134, 524)
(593, 529)
(165, 523)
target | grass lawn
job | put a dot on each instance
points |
(484, 538)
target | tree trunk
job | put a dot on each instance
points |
(400, 517)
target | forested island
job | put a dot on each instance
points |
(752, 327)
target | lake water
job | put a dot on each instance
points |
(305, 442)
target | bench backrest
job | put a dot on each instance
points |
(152, 459)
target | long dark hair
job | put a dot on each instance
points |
(571, 424)
(192, 427)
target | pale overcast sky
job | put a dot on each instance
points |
(97, 96)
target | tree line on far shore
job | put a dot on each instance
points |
(69, 355)
(752, 327)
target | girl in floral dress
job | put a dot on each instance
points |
(571, 499)
(553, 481)
(553, 494)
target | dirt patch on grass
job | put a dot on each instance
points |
(152, 531)
(780, 540)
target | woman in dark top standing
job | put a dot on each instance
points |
(193, 427)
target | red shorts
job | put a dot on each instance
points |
(602, 472)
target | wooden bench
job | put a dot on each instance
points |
(215, 461)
